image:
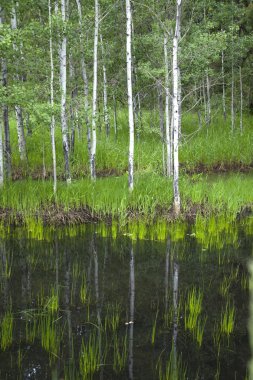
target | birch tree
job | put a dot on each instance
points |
(84, 76)
(7, 145)
(1, 155)
(167, 110)
(94, 98)
(241, 100)
(18, 109)
(105, 90)
(52, 125)
(130, 95)
(63, 86)
(176, 113)
(223, 87)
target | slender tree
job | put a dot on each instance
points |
(176, 111)
(7, 144)
(52, 125)
(63, 86)
(223, 87)
(1, 155)
(106, 113)
(130, 95)
(84, 76)
(94, 100)
(167, 110)
(241, 100)
(18, 109)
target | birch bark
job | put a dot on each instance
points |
(7, 145)
(18, 109)
(176, 113)
(241, 100)
(94, 101)
(223, 87)
(167, 110)
(130, 96)
(85, 77)
(63, 85)
(106, 113)
(1, 155)
(52, 125)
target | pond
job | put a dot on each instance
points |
(86, 304)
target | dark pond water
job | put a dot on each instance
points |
(88, 306)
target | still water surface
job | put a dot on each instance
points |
(86, 306)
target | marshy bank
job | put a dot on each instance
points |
(108, 199)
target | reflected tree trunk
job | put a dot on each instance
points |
(131, 315)
(175, 315)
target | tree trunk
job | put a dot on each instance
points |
(167, 110)
(94, 101)
(232, 100)
(208, 121)
(52, 125)
(176, 112)
(18, 109)
(85, 78)
(7, 145)
(130, 96)
(223, 87)
(63, 85)
(115, 117)
(106, 113)
(1, 155)
(241, 100)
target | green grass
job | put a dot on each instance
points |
(220, 146)
(151, 197)
(152, 193)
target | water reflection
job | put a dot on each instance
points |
(88, 306)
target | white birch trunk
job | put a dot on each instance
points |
(7, 145)
(115, 117)
(167, 110)
(52, 126)
(18, 109)
(94, 101)
(21, 133)
(176, 113)
(106, 113)
(85, 78)
(204, 100)
(232, 100)
(63, 85)
(223, 87)
(241, 100)
(130, 96)
(208, 100)
(1, 155)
